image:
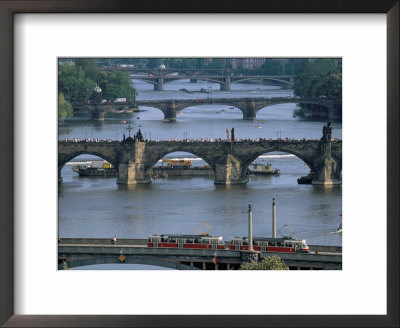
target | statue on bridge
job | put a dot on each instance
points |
(327, 132)
(227, 135)
(139, 136)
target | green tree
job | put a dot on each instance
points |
(73, 83)
(318, 77)
(76, 80)
(64, 108)
(269, 263)
(271, 67)
(116, 85)
(88, 65)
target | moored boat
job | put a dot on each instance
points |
(96, 168)
(262, 169)
(305, 179)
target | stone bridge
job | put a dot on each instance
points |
(229, 159)
(248, 106)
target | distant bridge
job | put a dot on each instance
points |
(228, 159)
(159, 77)
(248, 106)
(82, 251)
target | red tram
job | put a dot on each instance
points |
(278, 245)
(262, 244)
(186, 241)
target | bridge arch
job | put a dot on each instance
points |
(249, 160)
(276, 111)
(106, 259)
(216, 108)
(67, 158)
(159, 111)
(251, 78)
(181, 148)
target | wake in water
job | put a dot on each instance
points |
(339, 229)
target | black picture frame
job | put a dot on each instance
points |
(7, 10)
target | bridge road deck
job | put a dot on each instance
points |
(80, 251)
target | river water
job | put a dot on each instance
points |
(96, 207)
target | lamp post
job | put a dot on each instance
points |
(273, 218)
(250, 229)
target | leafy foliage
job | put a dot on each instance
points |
(116, 85)
(73, 83)
(64, 108)
(269, 263)
(76, 80)
(317, 78)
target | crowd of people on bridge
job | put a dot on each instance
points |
(196, 140)
(230, 137)
(88, 140)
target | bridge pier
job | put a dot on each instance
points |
(230, 173)
(132, 173)
(327, 173)
(160, 85)
(60, 179)
(170, 112)
(97, 114)
(326, 170)
(249, 113)
(131, 167)
(225, 86)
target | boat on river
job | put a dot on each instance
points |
(262, 169)
(305, 179)
(96, 168)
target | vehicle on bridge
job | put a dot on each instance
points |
(277, 245)
(186, 241)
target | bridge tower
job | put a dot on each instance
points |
(131, 167)
(326, 170)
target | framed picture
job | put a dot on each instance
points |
(31, 282)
